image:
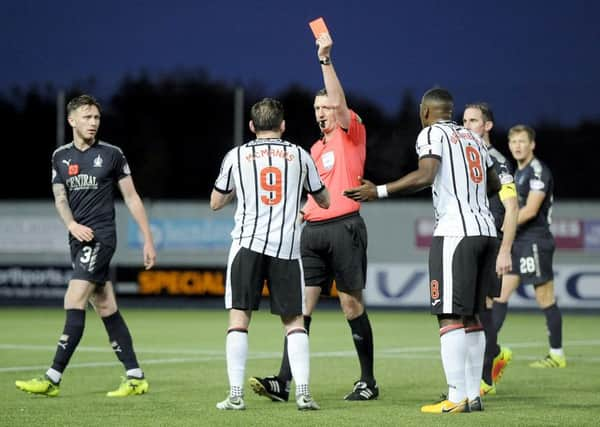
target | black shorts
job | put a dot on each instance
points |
(91, 261)
(532, 261)
(335, 250)
(461, 271)
(247, 272)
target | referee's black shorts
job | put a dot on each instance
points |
(335, 249)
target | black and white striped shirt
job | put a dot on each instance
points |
(459, 190)
(268, 176)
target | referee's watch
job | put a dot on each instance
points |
(325, 61)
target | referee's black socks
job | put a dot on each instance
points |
(362, 334)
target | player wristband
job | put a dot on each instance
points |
(325, 61)
(382, 191)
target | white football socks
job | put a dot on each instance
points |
(298, 354)
(474, 363)
(454, 355)
(236, 348)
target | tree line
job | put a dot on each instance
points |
(175, 130)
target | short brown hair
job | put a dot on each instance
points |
(267, 114)
(522, 128)
(81, 100)
(484, 107)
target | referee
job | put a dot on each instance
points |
(334, 240)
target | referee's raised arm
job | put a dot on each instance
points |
(334, 89)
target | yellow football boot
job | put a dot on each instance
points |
(130, 387)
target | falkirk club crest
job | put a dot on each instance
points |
(98, 162)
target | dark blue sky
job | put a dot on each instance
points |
(531, 59)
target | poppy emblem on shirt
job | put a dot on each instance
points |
(73, 170)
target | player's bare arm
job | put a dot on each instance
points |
(61, 201)
(509, 230)
(136, 207)
(218, 200)
(335, 92)
(415, 181)
(532, 206)
(322, 198)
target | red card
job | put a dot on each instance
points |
(318, 27)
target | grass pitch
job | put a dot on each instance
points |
(182, 354)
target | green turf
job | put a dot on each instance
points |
(182, 353)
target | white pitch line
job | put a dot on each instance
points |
(200, 352)
(574, 343)
(108, 349)
(213, 355)
(212, 359)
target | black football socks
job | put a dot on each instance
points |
(72, 333)
(120, 340)
(362, 335)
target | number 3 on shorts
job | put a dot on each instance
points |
(270, 181)
(86, 254)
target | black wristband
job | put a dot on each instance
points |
(325, 61)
